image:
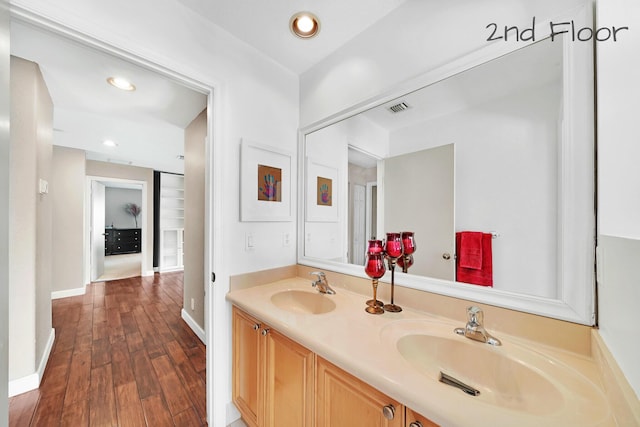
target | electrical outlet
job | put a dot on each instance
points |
(193, 304)
(286, 239)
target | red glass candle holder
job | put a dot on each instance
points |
(394, 250)
(409, 246)
(404, 262)
(393, 246)
(374, 267)
(375, 247)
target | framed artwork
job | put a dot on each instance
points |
(265, 183)
(322, 186)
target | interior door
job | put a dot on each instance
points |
(359, 224)
(97, 230)
(426, 177)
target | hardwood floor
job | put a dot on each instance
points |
(122, 357)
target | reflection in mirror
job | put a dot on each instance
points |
(363, 203)
(480, 151)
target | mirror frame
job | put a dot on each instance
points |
(576, 273)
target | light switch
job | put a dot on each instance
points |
(43, 186)
(249, 242)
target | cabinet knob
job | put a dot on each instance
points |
(389, 412)
(256, 326)
(415, 424)
(265, 331)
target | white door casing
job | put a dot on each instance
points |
(97, 229)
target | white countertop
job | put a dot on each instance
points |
(365, 346)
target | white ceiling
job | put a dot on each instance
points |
(148, 124)
(265, 25)
(534, 66)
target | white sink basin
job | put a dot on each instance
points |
(513, 377)
(303, 302)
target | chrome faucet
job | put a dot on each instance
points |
(474, 329)
(321, 283)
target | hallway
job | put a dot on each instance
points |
(122, 357)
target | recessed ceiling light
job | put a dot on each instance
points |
(109, 143)
(121, 83)
(304, 25)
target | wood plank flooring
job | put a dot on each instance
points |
(122, 357)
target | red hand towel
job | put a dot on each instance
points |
(471, 250)
(482, 277)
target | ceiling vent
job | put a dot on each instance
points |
(398, 107)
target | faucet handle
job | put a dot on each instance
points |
(320, 274)
(475, 315)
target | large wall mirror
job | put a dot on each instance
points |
(505, 148)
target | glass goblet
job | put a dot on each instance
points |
(374, 268)
(409, 246)
(394, 250)
(374, 247)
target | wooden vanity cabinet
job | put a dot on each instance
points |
(279, 383)
(246, 366)
(344, 400)
(273, 381)
(413, 419)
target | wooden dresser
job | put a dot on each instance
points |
(122, 241)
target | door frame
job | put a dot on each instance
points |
(218, 361)
(369, 209)
(88, 221)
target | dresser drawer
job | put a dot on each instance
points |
(122, 248)
(126, 239)
(126, 232)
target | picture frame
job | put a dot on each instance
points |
(265, 183)
(322, 188)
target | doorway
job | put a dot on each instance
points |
(116, 229)
(210, 151)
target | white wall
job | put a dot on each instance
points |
(67, 191)
(30, 222)
(194, 196)
(4, 209)
(115, 200)
(618, 88)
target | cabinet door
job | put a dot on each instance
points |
(344, 401)
(288, 382)
(246, 367)
(416, 420)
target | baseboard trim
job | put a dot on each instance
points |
(68, 293)
(24, 384)
(233, 414)
(148, 273)
(32, 381)
(171, 270)
(194, 326)
(47, 351)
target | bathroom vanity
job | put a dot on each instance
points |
(303, 358)
(274, 377)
